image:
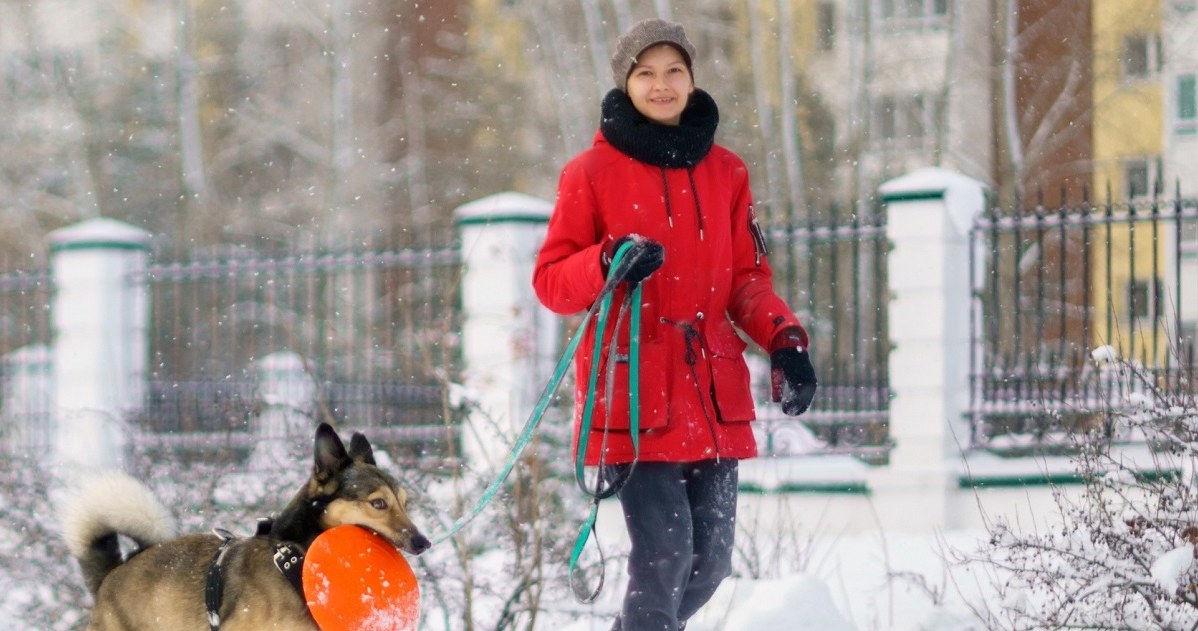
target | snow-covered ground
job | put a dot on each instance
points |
(859, 582)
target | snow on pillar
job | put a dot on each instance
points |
(930, 213)
(100, 316)
(507, 337)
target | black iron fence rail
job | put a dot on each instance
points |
(831, 269)
(371, 337)
(1079, 312)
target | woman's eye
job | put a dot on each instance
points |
(378, 504)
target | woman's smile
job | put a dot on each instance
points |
(660, 84)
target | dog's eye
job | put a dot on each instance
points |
(378, 504)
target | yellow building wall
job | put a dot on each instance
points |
(1128, 124)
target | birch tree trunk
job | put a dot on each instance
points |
(341, 123)
(191, 139)
(415, 160)
(1010, 108)
(624, 19)
(663, 10)
(788, 111)
(566, 90)
(863, 108)
(765, 114)
(598, 44)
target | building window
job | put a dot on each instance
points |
(1187, 104)
(1136, 177)
(826, 23)
(1141, 56)
(905, 121)
(1144, 299)
(1141, 176)
(886, 126)
(913, 14)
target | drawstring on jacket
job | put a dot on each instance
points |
(665, 187)
(694, 346)
(690, 172)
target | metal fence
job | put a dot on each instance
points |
(370, 338)
(241, 343)
(831, 269)
(1080, 311)
(1077, 311)
(25, 371)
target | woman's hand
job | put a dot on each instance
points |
(791, 373)
(641, 260)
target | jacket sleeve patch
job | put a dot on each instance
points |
(759, 243)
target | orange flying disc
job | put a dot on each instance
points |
(355, 580)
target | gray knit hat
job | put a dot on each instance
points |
(644, 34)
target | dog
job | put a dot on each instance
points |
(168, 582)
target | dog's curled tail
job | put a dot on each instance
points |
(107, 506)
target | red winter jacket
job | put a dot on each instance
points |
(695, 399)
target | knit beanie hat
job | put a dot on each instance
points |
(644, 34)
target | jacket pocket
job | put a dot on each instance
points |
(730, 376)
(653, 399)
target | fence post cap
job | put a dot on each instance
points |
(506, 207)
(963, 197)
(928, 183)
(100, 233)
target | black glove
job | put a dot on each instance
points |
(791, 373)
(641, 260)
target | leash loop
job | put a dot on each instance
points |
(600, 493)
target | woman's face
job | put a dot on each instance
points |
(660, 84)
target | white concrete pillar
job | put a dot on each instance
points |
(99, 319)
(929, 215)
(508, 339)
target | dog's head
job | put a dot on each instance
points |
(356, 491)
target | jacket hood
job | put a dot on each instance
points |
(667, 146)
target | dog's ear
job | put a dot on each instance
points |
(360, 450)
(330, 453)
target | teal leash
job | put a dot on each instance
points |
(618, 267)
(634, 355)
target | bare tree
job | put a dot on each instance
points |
(1121, 554)
(1047, 109)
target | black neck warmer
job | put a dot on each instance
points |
(667, 146)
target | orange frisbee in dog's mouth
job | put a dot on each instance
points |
(355, 580)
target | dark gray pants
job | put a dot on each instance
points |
(681, 519)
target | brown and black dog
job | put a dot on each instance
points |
(162, 585)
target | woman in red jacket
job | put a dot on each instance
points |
(655, 178)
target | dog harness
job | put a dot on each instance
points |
(288, 558)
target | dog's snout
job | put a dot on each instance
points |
(419, 543)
